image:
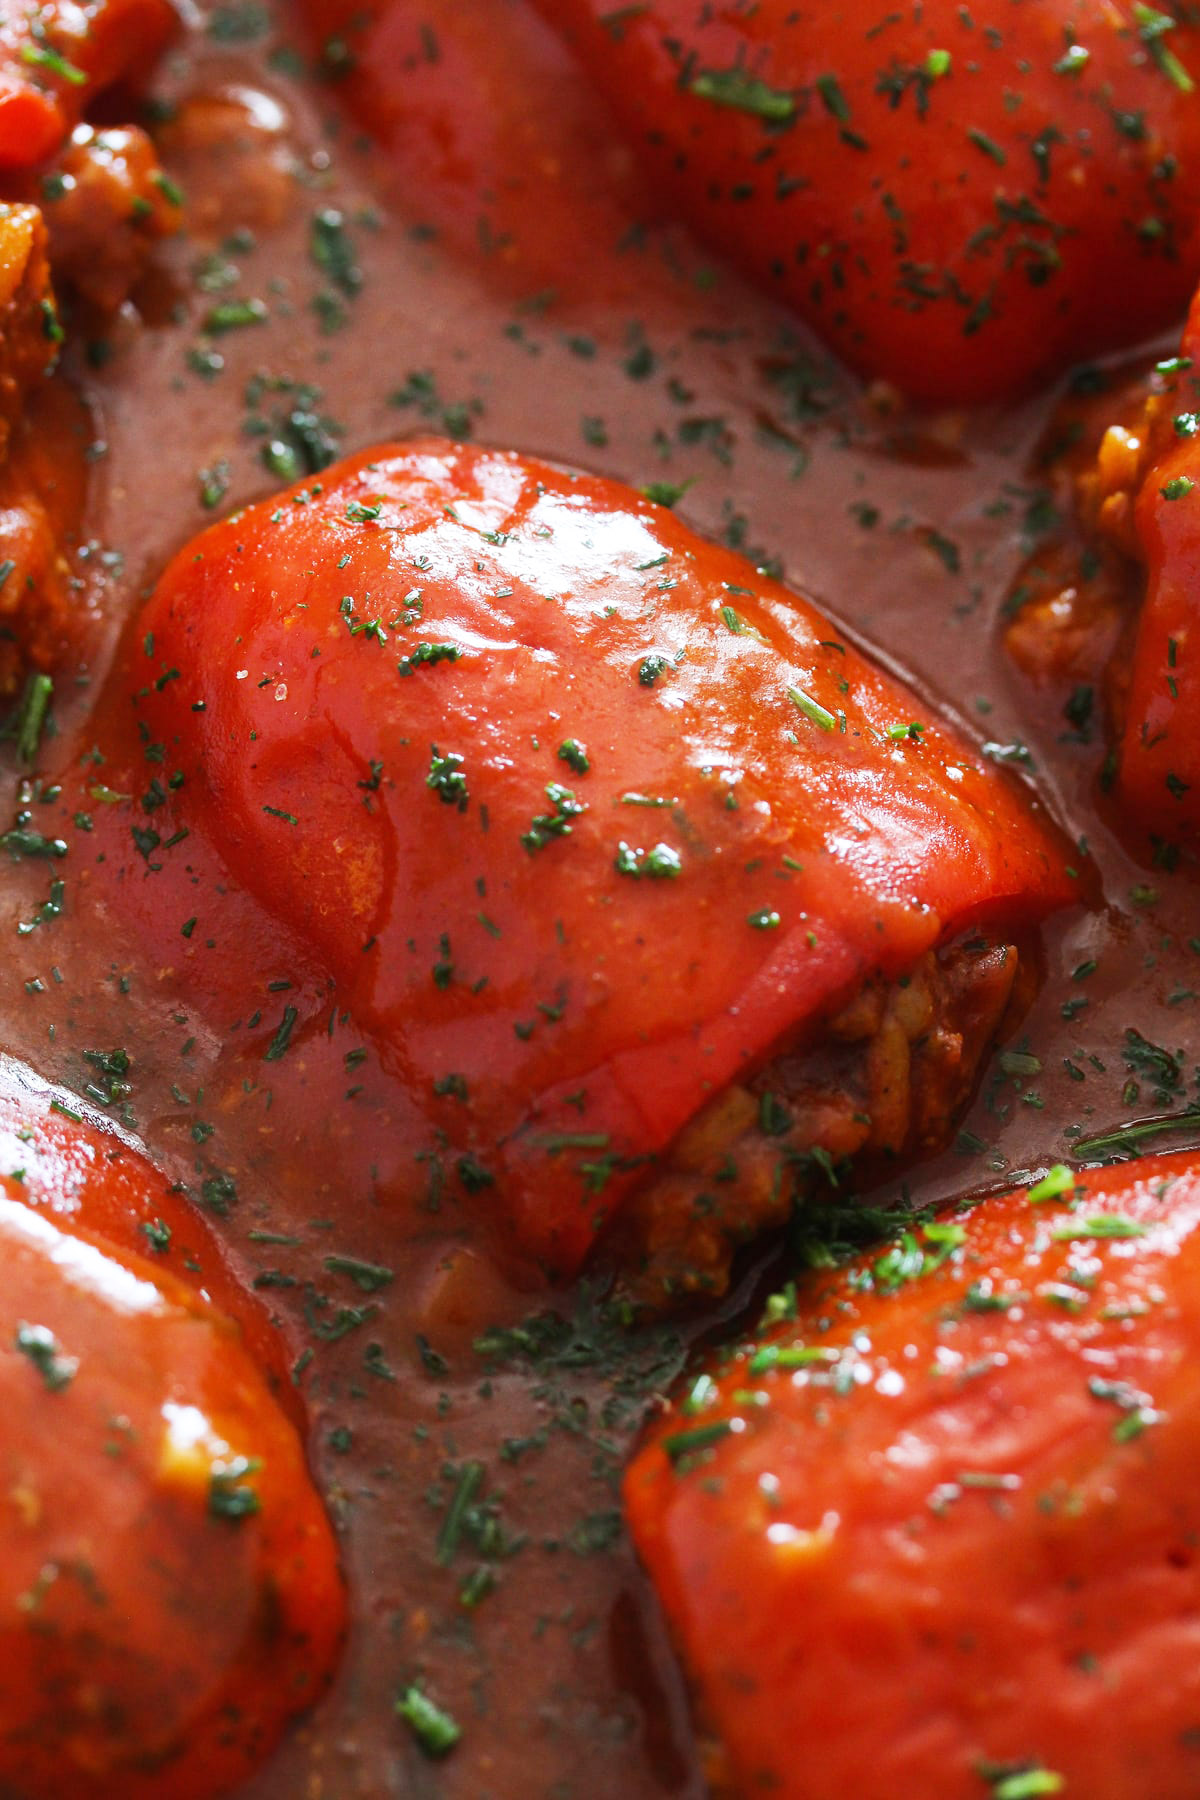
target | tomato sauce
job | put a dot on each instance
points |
(493, 267)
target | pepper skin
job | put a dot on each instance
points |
(55, 57)
(1158, 774)
(170, 1595)
(532, 196)
(582, 815)
(936, 1525)
(84, 1172)
(959, 200)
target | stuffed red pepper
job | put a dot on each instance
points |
(644, 877)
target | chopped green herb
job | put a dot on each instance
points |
(698, 1437)
(44, 1351)
(745, 93)
(1074, 60)
(470, 1481)
(28, 722)
(22, 841)
(988, 145)
(1099, 1225)
(1025, 1783)
(283, 1036)
(575, 755)
(793, 1356)
(41, 56)
(434, 1729)
(812, 709)
(661, 863)
(1127, 1137)
(233, 315)
(229, 1494)
(1058, 1180)
(332, 251)
(666, 493)
(361, 512)
(546, 826)
(368, 1277)
(431, 654)
(1153, 27)
(446, 778)
(832, 98)
(763, 920)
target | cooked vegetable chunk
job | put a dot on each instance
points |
(55, 56)
(932, 1528)
(41, 466)
(103, 206)
(29, 330)
(1159, 751)
(106, 206)
(586, 818)
(1115, 598)
(170, 1594)
(960, 199)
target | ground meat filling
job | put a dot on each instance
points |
(886, 1079)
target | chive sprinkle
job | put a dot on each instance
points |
(744, 93)
(435, 1730)
(812, 709)
(697, 1437)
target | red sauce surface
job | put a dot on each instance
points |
(517, 285)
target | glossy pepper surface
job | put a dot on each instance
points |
(582, 813)
(932, 1528)
(170, 1593)
(962, 200)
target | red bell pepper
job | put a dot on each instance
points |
(55, 57)
(582, 814)
(959, 199)
(170, 1593)
(932, 1529)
